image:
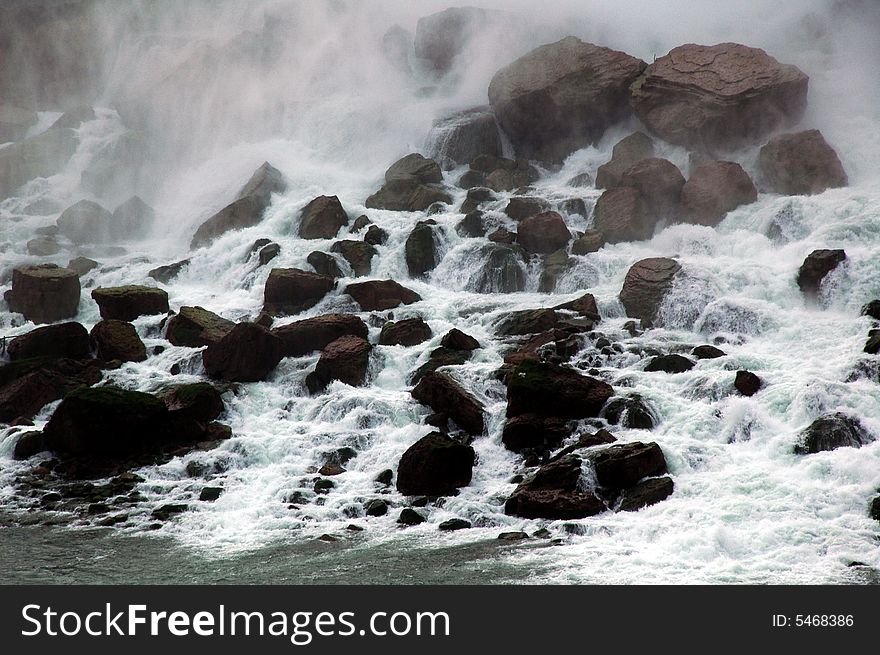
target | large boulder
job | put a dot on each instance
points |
(503, 270)
(621, 214)
(459, 138)
(44, 293)
(346, 359)
(322, 218)
(551, 390)
(414, 168)
(195, 327)
(719, 97)
(534, 432)
(528, 321)
(555, 491)
(27, 385)
(248, 353)
(645, 286)
(831, 431)
(800, 164)
(128, 302)
(115, 339)
(420, 251)
(672, 364)
(543, 233)
(444, 395)
(133, 219)
(660, 183)
(43, 155)
(442, 36)
(816, 266)
(379, 295)
(521, 207)
(291, 290)
(435, 465)
(311, 334)
(562, 97)
(199, 401)
(626, 152)
(52, 341)
(713, 189)
(86, 222)
(246, 210)
(358, 254)
(623, 465)
(407, 196)
(406, 332)
(324, 264)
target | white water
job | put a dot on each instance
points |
(332, 115)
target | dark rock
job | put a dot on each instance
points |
(543, 233)
(129, 302)
(115, 339)
(133, 219)
(210, 494)
(590, 241)
(645, 286)
(660, 183)
(27, 385)
(291, 290)
(248, 353)
(454, 524)
(199, 401)
(632, 412)
(713, 189)
(816, 266)
(647, 492)
(435, 465)
(581, 180)
(528, 321)
(534, 432)
(872, 346)
(521, 207)
(874, 511)
(551, 390)
(358, 254)
(376, 507)
(379, 295)
(673, 363)
(554, 492)
(621, 214)
(409, 516)
(268, 252)
(501, 180)
(420, 250)
(747, 383)
(562, 96)
(574, 206)
(443, 394)
(475, 197)
(407, 195)
(458, 138)
(346, 359)
(360, 223)
(52, 341)
(195, 327)
(623, 465)
(585, 306)
(553, 266)
(800, 164)
(42, 155)
(458, 340)
(322, 218)
(707, 352)
(471, 179)
(375, 236)
(165, 274)
(471, 225)
(832, 431)
(82, 265)
(385, 477)
(503, 271)
(28, 444)
(586, 440)
(513, 536)
(723, 96)
(166, 512)
(407, 332)
(306, 336)
(439, 358)
(44, 293)
(324, 264)
(502, 235)
(628, 151)
(872, 309)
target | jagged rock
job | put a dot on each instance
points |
(360, 223)
(632, 412)
(543, 233)
(199, 401)
(196, 327)
(458, 138)
(707, 352)
(322, 218)
(660, 183)
(589, 241)
(346, 359)
(521, 207)
(82, 265)
(669, 364)
(133, 219)
(407, 332)
(872, 346)
(623, 465)
(471, 180)
(43, 155)
(562, 96)
(551, 390)
(27, 385)
(832, 431)
(306, 336)
(376, 507)
(506, 180)
(647, 492)
(474, 198)
(458, 340)
(439, 358)
(324, 264)
(713, 189)
(68, 340)
(117, 340)
(268, 252)
(621, 214)
(581, 180)
(291, 290)
(800, 164)
(248, 353)
(28, 444)
(628, 151)
(435, 465)
(554, 492)
(534, 432)
(718, 97)
(503, 271)
(645, 286)
(358, 254)
(871, 309)
(128, 302)
(443, 394)
(420, 250)
(246, 210)
(816, 266)
(573, 207)
(165, 274)
(379, 295)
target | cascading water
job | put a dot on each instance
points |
(215, 89)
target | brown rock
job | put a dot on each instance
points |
(621, 214)
(291, 290)
(554, 492)
(346, 359)
(44, 293)
(550, 390)
(801, 164)
(435, 465)
(128, 302)
(628, 151)
(816, 266)
(660, 183)
(589, 241)
(115, 339)
(645, 286)
(379, 295)
(407, 332)
(322, 218)
(248, 353)
(713, 189)
(543, 233)
(443, 394)
(196, 327)
(311, 334)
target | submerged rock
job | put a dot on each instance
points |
(555, 492)
(248, 353)
(358, 254)
(502, 271)
(632, 412)
(165, 274)
(128, 302)
(435, 465)
(44, 293)
(801, 164)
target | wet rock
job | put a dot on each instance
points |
(747, 383)
(28, 444)
(82, 265)
(713, 189)
(632, 412)
(43, 246)
(800, 164)
(44, 293)
(458, 138)
(647, 492)
(554, 266)
(872, 346)
(442, 36)
(360, 223)
(210, 494)
(267, 253)
(584, 305)
(397, 48)
(358, 254)
(248, 353)
(718, 97)
(581, 180)
(471, 179)
(659, 182)
(409, 516)
(291, 290)
(322, 218)
(420, 250)
(435, 465)
(816, 266)
(502, 235)
(673, 363)
(551, 390)
(628, 151)
(407, 195)
(501, 180)
(590, 241)
(52, 341)
(115, 339)
(165, 274)
(42, 155)
(874, 510)
(75, 117)
(443, 394)
(458, 340)
(199, 401)
(196, 327)
(346, 359)
(385, 477)
(543, 233)
(129, 302)
(832, 431)
(376, 507)
(306, 336)
(621, 214)
(439, 358)
(554, 492)
(562, 96)
(324, 264)
(707, 352)
(475, 197)
(131, 220)
(407, 332)
(871, 309)
(168, 511)
(28, 385)
(503, 271)
(528, 321)
(534, 432)
(246, 210)
(623, 465)
(521, 207)
(454, 524)
(375, 236)
(379, 295)
(645, 286)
